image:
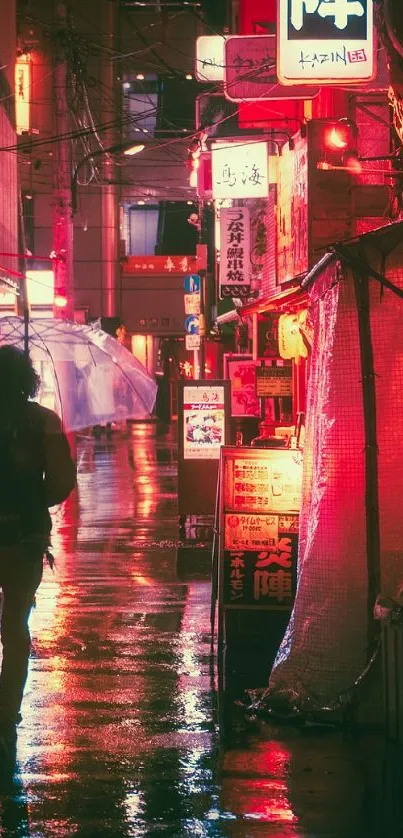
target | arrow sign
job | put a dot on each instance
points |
(191, 284)
(192, 325)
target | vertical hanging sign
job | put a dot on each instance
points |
(325, 41)
(235, 262)
(22, 93)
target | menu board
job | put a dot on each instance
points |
(263, 484)
(203, 421)
(260, 494)
(273, 381)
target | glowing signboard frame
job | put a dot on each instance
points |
(240, 169)
(210, 58)
(311, 49)
(23, 94)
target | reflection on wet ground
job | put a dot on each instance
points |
(121, 732)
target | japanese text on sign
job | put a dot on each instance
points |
(273, 381)
(203, 422)
(235, 252)
(250, 71)
(264, 578)
(240, 170)
(250, 532)
(342, 14)
(271, 484)
(159, 264)
(334, 40)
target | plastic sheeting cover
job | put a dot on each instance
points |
(325, 646)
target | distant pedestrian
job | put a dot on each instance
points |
(123, 337)
(37, 472)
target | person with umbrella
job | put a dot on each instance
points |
(37, 473)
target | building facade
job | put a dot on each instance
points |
(9, 244)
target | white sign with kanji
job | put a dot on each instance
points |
(325, 41)
(240, 169)
(235, 262)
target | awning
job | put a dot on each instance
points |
(383, 239)
(228, 317)
(283, 299)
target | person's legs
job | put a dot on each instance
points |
(20, 575)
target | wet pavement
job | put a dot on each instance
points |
(124, 732)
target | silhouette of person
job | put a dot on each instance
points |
(37, 472)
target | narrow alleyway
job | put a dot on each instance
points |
(120, 733)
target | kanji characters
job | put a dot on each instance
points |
(339, 10)
(276, 584)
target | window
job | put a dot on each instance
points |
(140, 105)
(143, 228)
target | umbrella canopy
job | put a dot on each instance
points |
(87, 376)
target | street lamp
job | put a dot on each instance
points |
(128, 148)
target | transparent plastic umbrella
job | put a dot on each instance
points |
(87, 376)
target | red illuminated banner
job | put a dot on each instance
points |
(160, 265)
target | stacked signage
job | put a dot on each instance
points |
(192, 310)
(259, 520)
(317, 42)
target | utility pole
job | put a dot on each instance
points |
(22, 299)
(109, 192)
(62, 165)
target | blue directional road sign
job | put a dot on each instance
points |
(191, 284)
(192, 324)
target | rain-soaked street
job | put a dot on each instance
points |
(122, 731)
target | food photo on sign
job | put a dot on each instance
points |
(241, 372)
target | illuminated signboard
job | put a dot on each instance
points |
(250, 71)
(264, 485)
(240, 170)
(203, 421)
(259, 500)
(272, 382)
(293, 219)
(40, 287)
(325, 41)
(235, 262)
(210, 58)
(22, 93)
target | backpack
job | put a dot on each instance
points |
(24, 515)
